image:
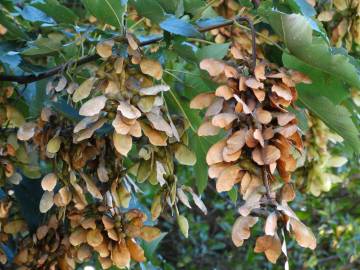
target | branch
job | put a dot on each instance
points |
(25, 79)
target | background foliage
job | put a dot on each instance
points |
(320, 39)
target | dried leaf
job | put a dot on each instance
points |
(212, 66)
(208, 129)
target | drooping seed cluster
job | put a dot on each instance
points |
(87, 186)
(259, 149)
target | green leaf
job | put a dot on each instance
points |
(14, 31)
(233, 194)
(150, 9)
(322, 83)
(303, 7)
(42, 46)
(216, 51)
(150, 247)
(169, 6)
(297, 34)
(108, 11)
(185, 51)
(58, 12)
(336, 117)
(33, 14)
(179, 27)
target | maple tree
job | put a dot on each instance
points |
(117, 116)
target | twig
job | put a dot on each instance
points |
(238, 19)
(266, 182)
(24, 79)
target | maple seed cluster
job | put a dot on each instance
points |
(262, 136)
(319, 161)
(87, 188)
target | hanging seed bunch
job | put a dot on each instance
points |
(11, 224)
(320, 162)
(241, 38)
(342, 20)
(258, 153)
(87, 188)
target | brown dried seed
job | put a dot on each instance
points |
(208, 129)
(224, 91)
(303, 235)
(149, 233)
(223, 120)
(214, 155)
(94, 237)
(263, 116)
(93, 106)
(122, 143)
(227, 179)
(104, 49)
(202, 101)
(136, 252)
(212, 66)
(241, 229)
(152, 68)
(49, 182)
(271, 245)
(254, 84)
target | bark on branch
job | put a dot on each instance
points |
(25, 79)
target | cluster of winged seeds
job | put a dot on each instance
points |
(319, 160)
(342, 21)
(87, 187)
(262, 139)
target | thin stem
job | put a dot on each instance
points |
(266, 182)
(201, 40)
(253, 37)
(263, 36)
(25, 79)
(137, 23)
